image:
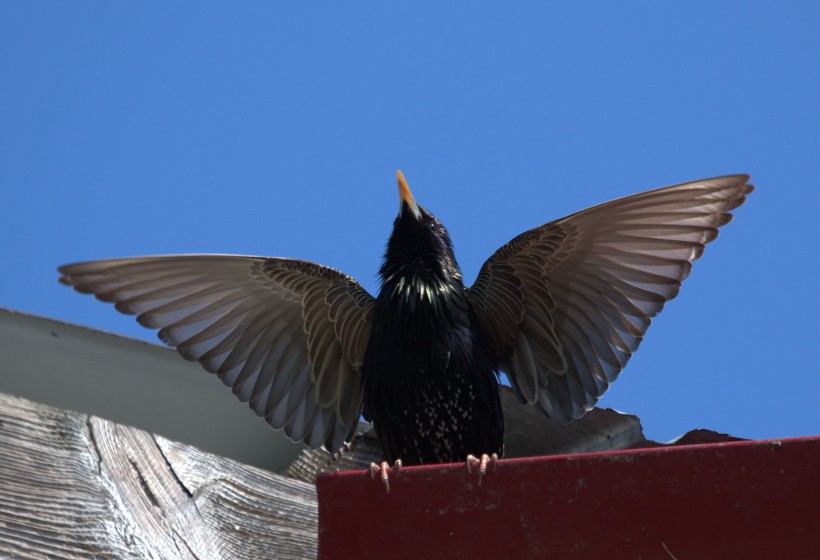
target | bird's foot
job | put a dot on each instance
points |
(482, 463)
(384, 471)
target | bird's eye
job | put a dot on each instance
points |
(433, 226)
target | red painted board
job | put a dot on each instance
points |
(750, 499)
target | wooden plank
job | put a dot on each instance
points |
(748, 499)
(74, 486)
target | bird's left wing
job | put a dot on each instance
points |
(566, 304)
(287, 336)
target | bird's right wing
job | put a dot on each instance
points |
(287, 336)
(566, 304)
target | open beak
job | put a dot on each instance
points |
(406, 197)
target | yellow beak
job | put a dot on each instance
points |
(406, 197)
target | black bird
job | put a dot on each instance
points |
(560, 309)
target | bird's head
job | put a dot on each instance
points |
(419, 248)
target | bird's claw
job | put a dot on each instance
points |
(481, 463)
(384, 471)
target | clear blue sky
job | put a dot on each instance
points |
(276, 129)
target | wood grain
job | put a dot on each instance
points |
(74, 486)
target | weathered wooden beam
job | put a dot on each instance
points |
(76, 486)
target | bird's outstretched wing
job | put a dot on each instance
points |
(287, 336)
(567, 303)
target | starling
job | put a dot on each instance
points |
(560, 309)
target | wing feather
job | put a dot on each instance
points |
(287, 336)
(570, 301)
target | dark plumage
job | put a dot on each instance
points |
(560, 309)
(429, 373)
